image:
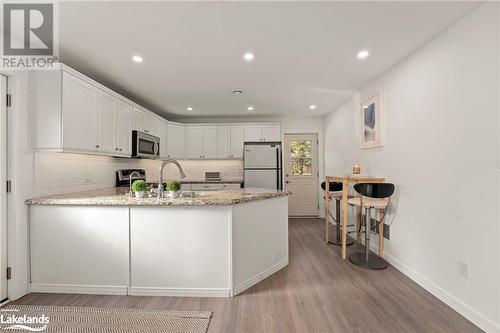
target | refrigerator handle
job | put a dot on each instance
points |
(277, 168)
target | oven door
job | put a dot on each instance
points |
(145, 145)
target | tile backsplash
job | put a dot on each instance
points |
(57, 173)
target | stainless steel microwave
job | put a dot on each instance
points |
(145, 145)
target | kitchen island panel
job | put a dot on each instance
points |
(180, 251)
(78, 249)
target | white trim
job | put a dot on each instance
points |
(181, 292)
(259, 277)
(78, 289)
(465, 310)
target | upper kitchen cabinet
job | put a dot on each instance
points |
(80, 107)
(224, 142)
(114, 125)
(262, 133)
(73, 113)
(210, 146)
(148, 122)
(236, 134)
(175, 141)
(194, 141)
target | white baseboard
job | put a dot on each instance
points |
(78, 289)
(259, 277)
(472, 315)
(177, 292)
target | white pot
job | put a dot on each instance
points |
(139, 194)
(173, 194)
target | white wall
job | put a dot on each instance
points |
(56, 173)
(441, 144)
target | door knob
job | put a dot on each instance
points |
(287, 182)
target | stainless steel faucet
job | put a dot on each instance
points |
(160, 184)
(130, 181)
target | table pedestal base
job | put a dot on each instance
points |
(373, 262)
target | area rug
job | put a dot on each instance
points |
(69, 319)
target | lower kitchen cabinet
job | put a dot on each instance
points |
(79, 249)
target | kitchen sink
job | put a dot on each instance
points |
(190, 194)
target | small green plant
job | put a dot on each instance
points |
(173, 185)
(139, 186)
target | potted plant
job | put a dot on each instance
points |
(139, 187)
(173, 188)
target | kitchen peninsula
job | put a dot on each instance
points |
(218, 243)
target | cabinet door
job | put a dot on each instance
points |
(144, 122)
(236, 142)
(80, 103)
(106, 127)
(253, 133)
(271, 133)
(175, 141)
(223, 142)
(209, 142)
(194, 141)
(122, 128)
(139, 120)
(160, 131)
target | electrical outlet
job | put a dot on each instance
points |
(463, 268)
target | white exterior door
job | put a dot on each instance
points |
(3, 194)
(300, 155)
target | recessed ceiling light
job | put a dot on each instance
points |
(189, 108)
(137, 59)
(312, 107)
(363, 54)
(238, 92)
(250, 108)
(248, 56)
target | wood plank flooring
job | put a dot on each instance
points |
(317, 292)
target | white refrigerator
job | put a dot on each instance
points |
(262, 164)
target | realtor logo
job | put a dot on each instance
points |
(28, 29)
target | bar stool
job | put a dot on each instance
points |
(335, 194)
(373, 196)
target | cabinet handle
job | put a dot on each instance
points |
(146, 131)
(120, 149)
(116, 149)
(97, 146)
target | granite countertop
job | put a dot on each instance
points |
(117, 197)
(204, 181)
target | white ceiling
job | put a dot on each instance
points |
(305, 52)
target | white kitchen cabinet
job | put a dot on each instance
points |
(123, 119)
(253, 133)
(160, 130)
(210, 142)
(236, 138)
(106, 126)
(194, 142)
(144, 122)
(223, 142)
(271, 133)
(175, 141)
(114, 134)
(80, 108)
(262, 133)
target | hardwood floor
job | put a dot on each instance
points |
(317, 292)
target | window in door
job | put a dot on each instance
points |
(300, 157)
